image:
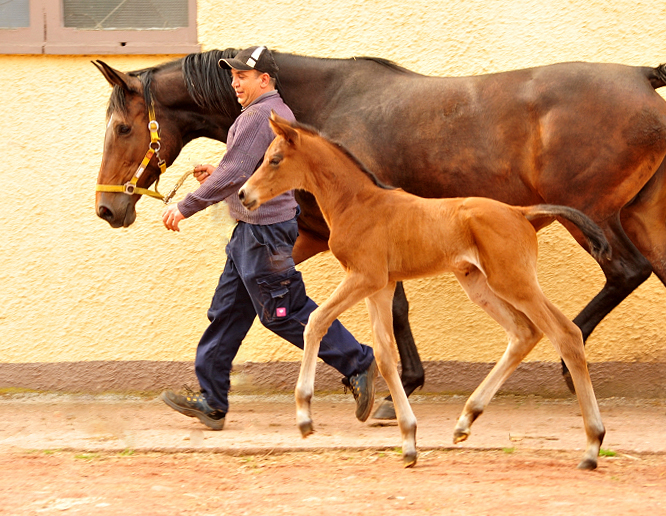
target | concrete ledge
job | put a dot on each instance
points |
(644, 380)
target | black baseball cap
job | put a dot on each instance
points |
(253, 58)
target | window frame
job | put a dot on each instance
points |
(48, 35)
(25, 40)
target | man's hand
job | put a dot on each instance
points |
(171, 217)
(203, 172)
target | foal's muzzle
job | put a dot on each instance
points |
(246, 199)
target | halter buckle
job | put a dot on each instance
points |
(129, 188)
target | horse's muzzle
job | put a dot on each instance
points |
(116, 217)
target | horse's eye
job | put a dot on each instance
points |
(124, 129)
(275, 160)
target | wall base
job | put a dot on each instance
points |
(645, 380)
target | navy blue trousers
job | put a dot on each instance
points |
(259, 278)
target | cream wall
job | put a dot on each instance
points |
(73, 289)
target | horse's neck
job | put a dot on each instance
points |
(193, 121)
(303, 82)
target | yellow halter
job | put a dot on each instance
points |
(130, 187)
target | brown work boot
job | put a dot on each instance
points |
(195, 405)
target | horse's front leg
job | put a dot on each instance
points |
(379, 308)
(354, 288)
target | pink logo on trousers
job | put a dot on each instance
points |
(281, 311)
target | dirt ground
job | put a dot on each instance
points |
(110, 455)
(465, 482)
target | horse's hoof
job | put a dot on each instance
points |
(386, 410)
(306, 428)
(460, 436)
(588, 464)
(409, 459)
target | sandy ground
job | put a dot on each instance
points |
(133, 455)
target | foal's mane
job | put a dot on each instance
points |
(208, 85)
(314, 132)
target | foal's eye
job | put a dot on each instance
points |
(124, 129)
(275, 160)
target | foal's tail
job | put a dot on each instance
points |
(657, 76)
(599, 246)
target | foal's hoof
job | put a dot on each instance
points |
(409, 459)
(306, 428)
(588, 464)
(386, 410)
(460, 436)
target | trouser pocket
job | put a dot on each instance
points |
(282, 295)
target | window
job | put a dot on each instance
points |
(98, 26)
(21, 27)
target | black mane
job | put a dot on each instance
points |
(311, 130)
(117, 101)
(207, 83)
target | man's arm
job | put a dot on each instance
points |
(251, 139)
(171, 215)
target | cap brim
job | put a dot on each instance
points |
(233, 63)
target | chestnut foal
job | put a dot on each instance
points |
(381, 236)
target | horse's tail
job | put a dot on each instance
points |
(599, 246)
(657, 76)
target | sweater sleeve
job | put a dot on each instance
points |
(252, 136)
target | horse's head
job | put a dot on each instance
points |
(281, 170)
(124, 174)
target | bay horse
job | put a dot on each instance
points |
(381, 236)
(586, 135)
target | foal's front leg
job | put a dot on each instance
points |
(379, 308)
(354, 288)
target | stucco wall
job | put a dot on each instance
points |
(73, 289)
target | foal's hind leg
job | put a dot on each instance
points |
(379, 308)
(523, 336)
(624, 272)
(568, 342)
(520, 288)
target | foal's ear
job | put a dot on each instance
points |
(282, 127)
(118, 78)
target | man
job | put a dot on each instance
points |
(259, 277)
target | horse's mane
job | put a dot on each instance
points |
(314, 132)
(208, 85)
(386, 63)
(118, 102)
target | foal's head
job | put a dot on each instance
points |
(284, 168)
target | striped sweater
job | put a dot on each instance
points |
(249, 137)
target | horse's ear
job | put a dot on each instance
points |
(118, 78)
(282, 127)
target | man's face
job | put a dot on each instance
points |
(249, 85)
